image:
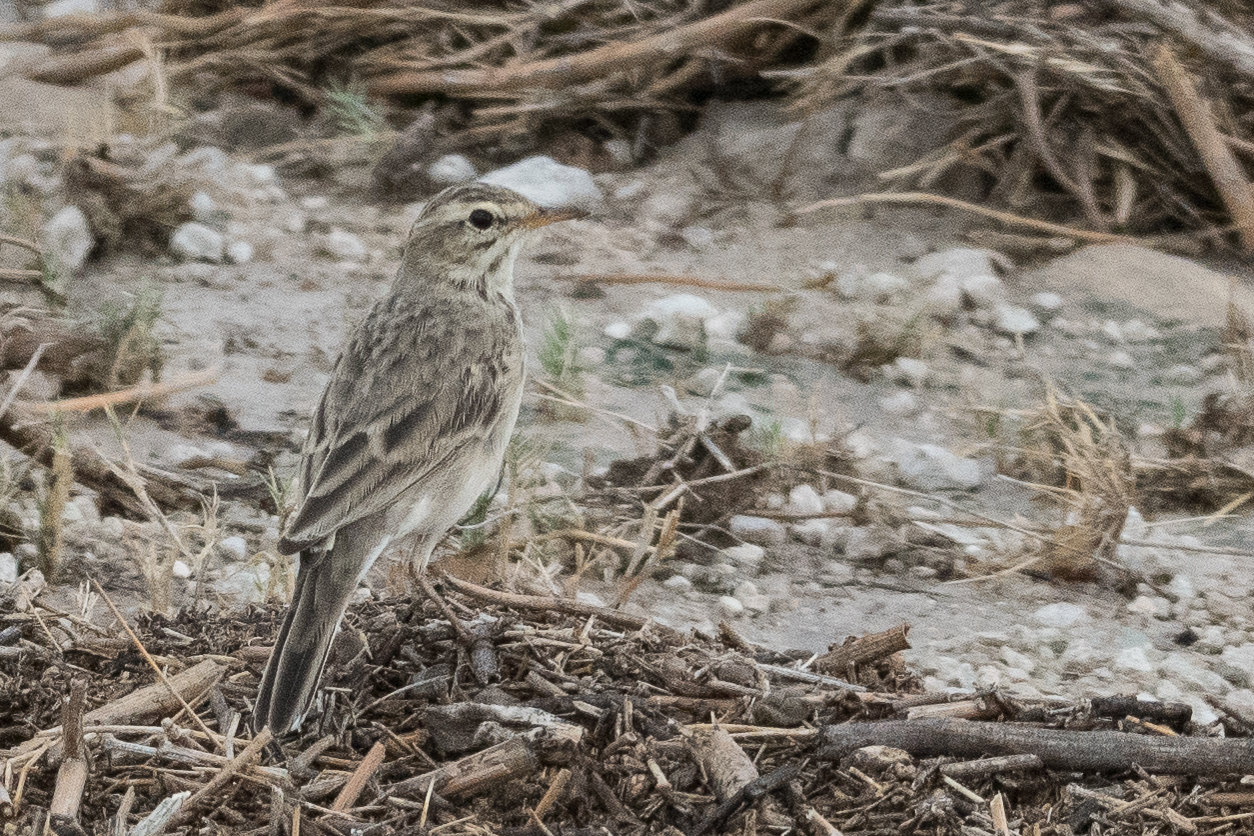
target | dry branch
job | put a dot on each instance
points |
(1093, 751)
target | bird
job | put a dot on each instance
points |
(412, 426)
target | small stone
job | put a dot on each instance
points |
(928, 467)
(1046, 302)
(1181, 586)
(1012, 319)
(1015, 659)
(900, 403)
(1060, 615)
(730, 607)
(203, 206)
(864, 544)
(245, 584)
(804, 499)
(758, 531)
(112, 528)
(677, 583)
(234, 548)
(813, 532)
(839, 502)
(1134, 330)
(258, 174)
(1241, 659)
(1133, 659)
(314, 202)
(451, 169)
(181, 570)
(1113, 330)
(697, 237)
(746, 556)
(837, 574)
(196, 242)
(1182, 667)
(910, 370)
(873, 287)
(680, 321)
(8, 568)
(239, 252)
(988, 676)
(342, 244)
(1120, 360)
(1182, 374)
(1152, 606)
(618, 330)
(68, 239)
(548, 182)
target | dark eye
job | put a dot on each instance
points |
(481, 219)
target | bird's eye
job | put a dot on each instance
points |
(481, 219)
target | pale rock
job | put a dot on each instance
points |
(910, 370)
(680, 320)
(1134, 330)
(618, 330)
(988, 676)
(234, 548)
(239, 252)
(112, 528)
(180, 569)
(1203, 714)
(245, 584)
(315, 202)
(730, 607)
(61, 8)
(1120, 360)
(620, 151)
(697, 237)
(207, 159)
(196, 242)
(899, 403)
(956, 673)
(1182, 374)
(1183, 668)
(1168, 691)
(68, 238)
(342, 244)
(1061, 615)
(1181, 586)
(836, 573)
(1081, 657)
(1015, 659)
(548, 183)
(1012, 319)
(963, 261)
(85, 509)
(983, 290)
(863, 544)
(296, 223)
(8, 568)
(1046, 302)
(1241, 659)
(678, 584)
(258, 175)
(203, 207)
(1151, 606)
(758, 531)
(813, 532)
(837, 502)
(928, 467)
(1133, 659)
(1242, 700)
(451, 169)
(1113, 330)
(804, 499)
(872, 287)
(747, 556)
(755, 603)
(667, 208)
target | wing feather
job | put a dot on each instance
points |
(416, 384)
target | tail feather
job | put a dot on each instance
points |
(290, 682)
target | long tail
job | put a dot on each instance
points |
(324, 586)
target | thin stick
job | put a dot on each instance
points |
(210, 791)
(361, 775)
(143, 391)
(952, 202)
(686, 281)
(152, 662)
(1199, 123)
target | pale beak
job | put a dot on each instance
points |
(544, 217)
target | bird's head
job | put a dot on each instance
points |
(470, 235)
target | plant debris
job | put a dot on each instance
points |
(535, 715)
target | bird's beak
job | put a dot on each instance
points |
(544, 217)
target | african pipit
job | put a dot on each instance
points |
(412, 426)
